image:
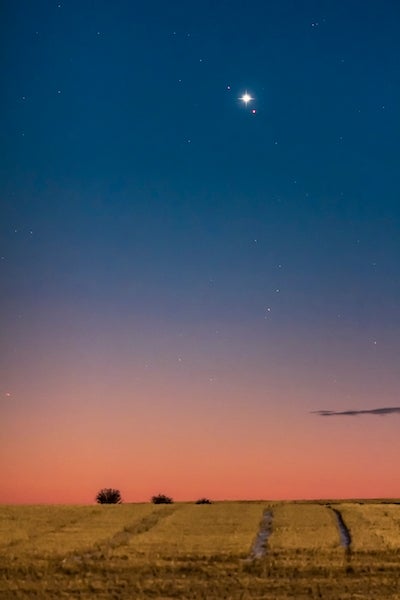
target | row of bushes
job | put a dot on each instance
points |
(111, 496)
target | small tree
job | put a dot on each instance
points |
(109, 496)
(161, 499)
(203, 501)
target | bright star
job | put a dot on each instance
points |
(246, 98)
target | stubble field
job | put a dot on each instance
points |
(215, 552)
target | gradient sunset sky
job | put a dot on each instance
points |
(186, 278)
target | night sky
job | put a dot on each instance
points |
(187, 279)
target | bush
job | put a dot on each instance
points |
(161, 499)
(109, 496)
(203, 501)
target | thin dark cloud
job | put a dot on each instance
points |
(390, 410)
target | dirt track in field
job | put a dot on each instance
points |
(259, 547)
(344, 531)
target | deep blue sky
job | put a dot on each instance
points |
(100, 104)
(139, 193)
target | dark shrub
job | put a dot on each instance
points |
(109, 496)
(161, 499)
(203, 501)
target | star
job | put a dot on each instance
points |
(246, 98)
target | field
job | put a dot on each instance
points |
(183, 550)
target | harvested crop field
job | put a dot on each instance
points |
(183, 550)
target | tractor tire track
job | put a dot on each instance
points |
(103, 548)
(259, 546)
(344, 531)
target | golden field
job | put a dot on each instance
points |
(184, 550)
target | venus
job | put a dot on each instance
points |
(246, 98)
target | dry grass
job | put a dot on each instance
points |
(188, 551)
(203, 529)
(60, 529)
(303, 526)
(373, 526)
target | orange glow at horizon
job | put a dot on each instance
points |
(190, 450)
(217, 423)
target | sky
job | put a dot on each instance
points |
(199, 295)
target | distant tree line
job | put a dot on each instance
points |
(112, 496)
